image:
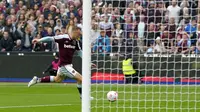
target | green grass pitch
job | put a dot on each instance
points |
(16, 97)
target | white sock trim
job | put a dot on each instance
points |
(52, 78)
(79, 86)
(38, 80)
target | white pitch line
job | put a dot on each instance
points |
(30, 106)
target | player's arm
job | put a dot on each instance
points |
(50, 38)
(44, 39)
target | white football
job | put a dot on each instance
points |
(112, 96)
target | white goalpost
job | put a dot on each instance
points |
(86, 56)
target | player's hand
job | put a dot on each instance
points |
(43, 73)
(34, 41)
(93, 65)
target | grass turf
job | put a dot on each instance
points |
(16, 97)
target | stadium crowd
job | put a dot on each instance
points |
(129, 26)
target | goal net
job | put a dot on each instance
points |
(161, 37)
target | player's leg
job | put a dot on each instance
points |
(72, 73)
(47, 79)
(78, 78)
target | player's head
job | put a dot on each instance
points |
(76, 33)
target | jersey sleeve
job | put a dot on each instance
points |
(61, 38)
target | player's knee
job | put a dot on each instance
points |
(57, 79)
(78, 77)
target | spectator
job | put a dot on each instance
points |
(49, 45)
(26, 35)
(2, 7)
(151, 12)
(12, 11)
(10, 28)
(174, 11)
(76, 21)
(70, 26)
(159, 46)
(180, 31)
(150, 48)
(102, 44)
(131, 6)
(13, 4)
(72, 16)
(184, 3)
(184, 44)
(151, 34)
(51, 23)
(185, 11)
(191, 29)
(161, 28)
(42, 7)
(118, 31)
(107, 26)
(32, 20)
(58, 25)
(196, 49)
(115, 15)
(94, 32)
(160, 12)
(63, 30)
(71, 10)
(40, 21)
(64, 20)
(97, 11)
(130, 44)
(14, 20)
(167, 39)
(193, 7)
(38, 46)
(128, 25)
(38, 13)
(6, 43)
(139, 11)
(184, 21)
(50, 17)
(110, 9)
(105, 14)
(18, 46)
(2, 18)
(33, 2)
(172, 27)
(129, 13)
(115, 44)
(141, 32)
(1, 29)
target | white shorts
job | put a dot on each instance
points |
(67, 71)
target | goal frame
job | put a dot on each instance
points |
(86, 57)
